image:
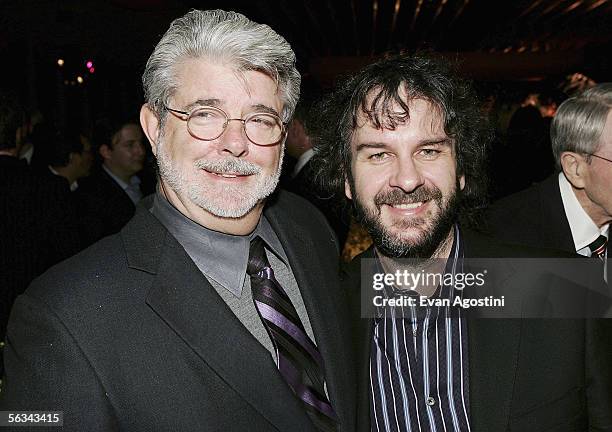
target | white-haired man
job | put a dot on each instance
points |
(571, 210)
(216, 307)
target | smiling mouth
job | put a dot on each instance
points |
(226, 175)
(408, 206)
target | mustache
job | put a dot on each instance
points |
(397, 196)
(224, 166)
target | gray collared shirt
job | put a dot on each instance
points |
(222, 259)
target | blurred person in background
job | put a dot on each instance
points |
(36, 229)
(70, 157)
(109, 195)
(572, 209)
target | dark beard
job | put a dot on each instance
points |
(422, 248)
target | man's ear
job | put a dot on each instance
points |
(462, 182)
(150, 126)
(574, 167)
(347, 189)
(105, 151)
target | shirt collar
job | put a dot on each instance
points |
(584, 230)
(27, 155)
(73, 186)
(454, 265)
(134, 180)
(221, 257)
(302, 161)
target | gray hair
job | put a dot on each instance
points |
(579, 122)
(220, 36)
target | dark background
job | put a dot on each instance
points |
(506, 46)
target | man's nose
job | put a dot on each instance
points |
(233, 140)
(406, 175)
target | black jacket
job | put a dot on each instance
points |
(129, 335)
(525, 374)
(533, 217)
(37, 228)
(104, 207)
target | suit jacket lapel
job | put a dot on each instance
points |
(117, 191)
(366, 327)
(556, 231)
(493, 346)
(186, 302)
(327, 310)
(363, 329)
(493, 357)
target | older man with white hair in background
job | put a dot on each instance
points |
(572, 209)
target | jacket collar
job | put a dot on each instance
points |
(556, 230)
(324, 300)
(186, 302)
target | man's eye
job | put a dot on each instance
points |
(262, 121)
(206, 114)
(378, 156)
(429, 153)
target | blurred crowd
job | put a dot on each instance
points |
(62, 188)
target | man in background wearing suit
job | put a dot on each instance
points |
(217, 307)
(69, 157)
(297, 166)
(409, 144)
(571, 210)
(37, 228)
(109, 195)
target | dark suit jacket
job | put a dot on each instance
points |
(105, 208)
(130, 335)
(37, 229)
(525, 374)
(533, 217)
(304, 185)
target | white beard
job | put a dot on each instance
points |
(230, 201)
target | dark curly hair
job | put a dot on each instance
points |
(373, 91)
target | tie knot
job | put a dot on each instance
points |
(257, 257)
(598, 246)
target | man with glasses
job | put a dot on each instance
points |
(217, 307)
(571, 210)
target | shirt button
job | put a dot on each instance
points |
(431, 401)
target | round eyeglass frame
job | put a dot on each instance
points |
(599, 157)
(188, 114)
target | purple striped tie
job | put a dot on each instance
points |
(299, 360)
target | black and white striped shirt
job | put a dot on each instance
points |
(419, 364)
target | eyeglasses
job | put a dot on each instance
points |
(208, 123)
(600, 157)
